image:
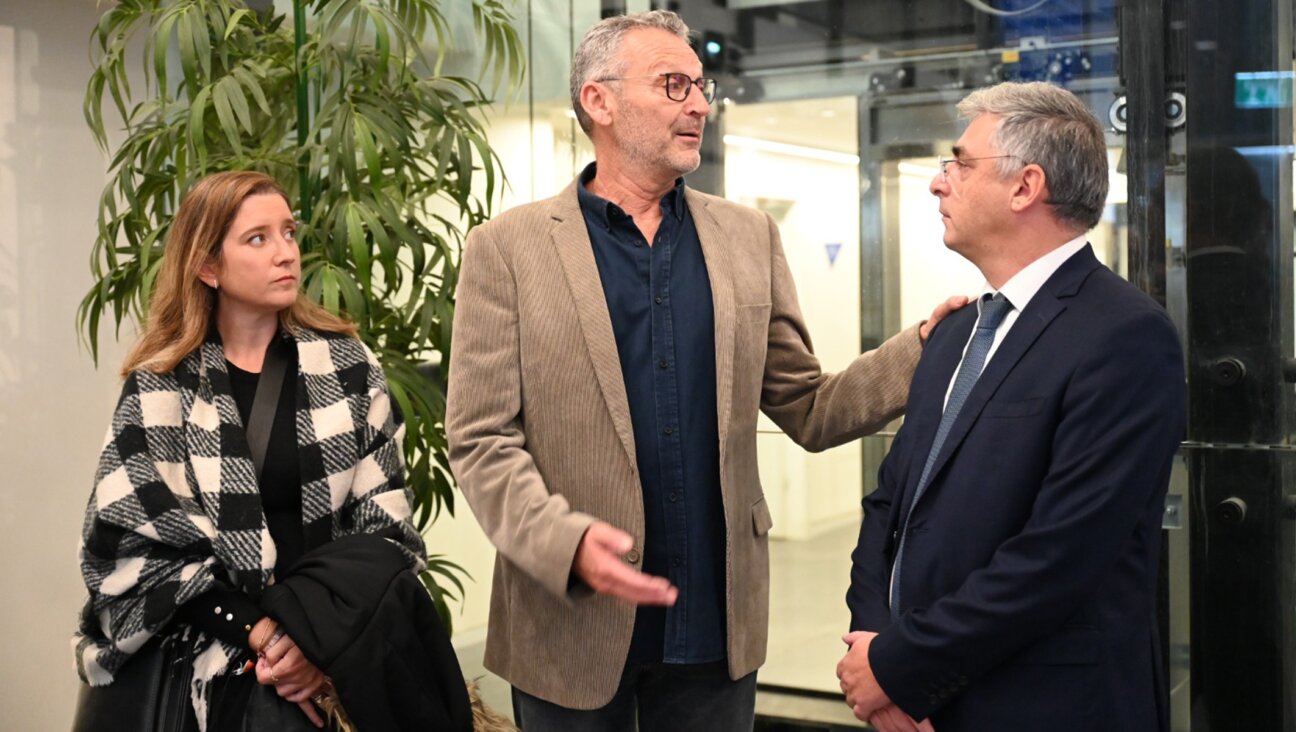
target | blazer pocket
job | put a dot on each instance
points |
(762, 522)
(759, 313)
(1013, 408)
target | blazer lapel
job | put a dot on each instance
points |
(927, 399)
(1047, 304)
(576, 255)
(715, 253)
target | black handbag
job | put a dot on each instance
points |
(267, 712)
(149, 693)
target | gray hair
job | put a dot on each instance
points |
(596, 57)
(1050, 127)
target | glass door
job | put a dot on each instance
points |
(832, 116)
(792, 74)
(1237, 68)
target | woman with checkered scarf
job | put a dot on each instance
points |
(180, 536)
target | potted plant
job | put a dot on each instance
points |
(385, 153)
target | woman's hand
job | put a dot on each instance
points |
(261, 633)
(295, 679)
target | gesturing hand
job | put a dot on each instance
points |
(599, 563)
(952, 303)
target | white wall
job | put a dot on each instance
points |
(929, 272)
(809, 493)
(54, 404)
(527, 153)
(541, 150)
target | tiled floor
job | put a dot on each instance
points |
(807, 618)
(808, 613)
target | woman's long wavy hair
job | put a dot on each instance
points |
(183, 306)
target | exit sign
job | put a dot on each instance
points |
(1262, 89)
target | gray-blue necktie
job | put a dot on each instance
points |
(993, 310)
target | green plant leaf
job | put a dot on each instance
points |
(160, 42)
(329, 293)
(380, 161)
(232, 24)
(249, 79)
(233, 89)
(223, 103)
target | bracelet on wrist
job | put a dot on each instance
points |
(278, 633)
(265, 631)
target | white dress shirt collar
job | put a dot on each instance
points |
(1021, 287)
(1019, 290)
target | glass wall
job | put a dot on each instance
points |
(832, 116)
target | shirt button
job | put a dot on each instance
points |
(668, 431)
(677, 562)
(658, 299)
(662, 363)
(675, 496)
(632, 556)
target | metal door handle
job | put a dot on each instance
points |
(1231, 511)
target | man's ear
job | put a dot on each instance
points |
(1031, 188)
(598, 103)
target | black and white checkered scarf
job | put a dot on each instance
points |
(176, 504)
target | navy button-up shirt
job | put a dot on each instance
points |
(659, 298)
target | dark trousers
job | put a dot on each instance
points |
(654, 697)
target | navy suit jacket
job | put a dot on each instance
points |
(1027, 596)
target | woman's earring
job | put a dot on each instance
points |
(215, 284)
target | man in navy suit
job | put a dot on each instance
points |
(1005, 571)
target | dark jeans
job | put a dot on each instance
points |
(654, 697)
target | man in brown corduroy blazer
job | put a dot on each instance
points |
(603, 402)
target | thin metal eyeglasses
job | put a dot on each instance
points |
(962, 163)
(677, 85)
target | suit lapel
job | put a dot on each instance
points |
(715, 253)
(576, 254)
(944, 351)
(1047, 304)
(1030, 324)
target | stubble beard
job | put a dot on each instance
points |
(639, 149)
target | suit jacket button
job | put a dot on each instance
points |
(632, 556)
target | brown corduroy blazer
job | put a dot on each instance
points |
(541, 442)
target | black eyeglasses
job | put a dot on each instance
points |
(677, 85)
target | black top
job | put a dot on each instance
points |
(225, 612)
(659, 299)
(280, 479)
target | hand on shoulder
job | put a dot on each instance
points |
(951, 303)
